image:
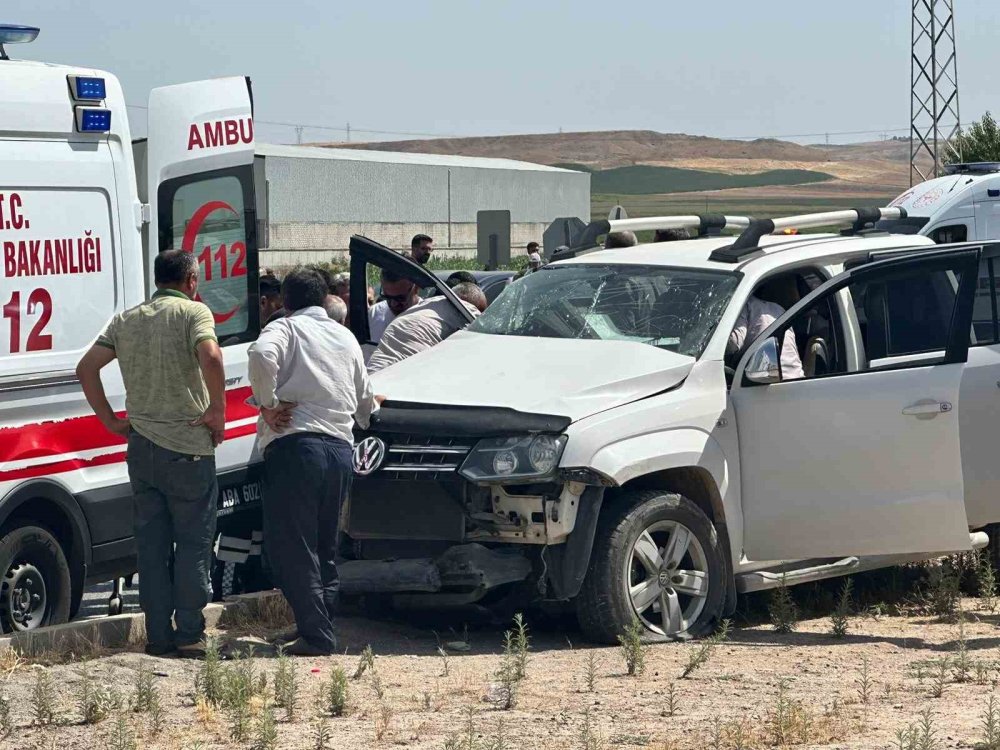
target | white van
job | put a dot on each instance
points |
(963, 205)
(81, 218)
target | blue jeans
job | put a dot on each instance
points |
(174, 498)
(306, 477)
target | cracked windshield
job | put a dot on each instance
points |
(670, 308)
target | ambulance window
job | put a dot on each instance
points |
(211, 215)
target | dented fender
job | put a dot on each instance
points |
(637, 456)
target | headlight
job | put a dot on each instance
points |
(514, 458)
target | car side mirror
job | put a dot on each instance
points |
(764, 366)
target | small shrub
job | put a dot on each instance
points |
(521, 645)
(157, 715)
(322, 738)
(920, 735)
(700, 655)
(145, 692)
(365, 662)
(504, 693)
(941, 596)
(498, 740)
(590, 738)
(377, 686)
(991, 725)
(122, 735)
(465, 740)
(265, 731)
(286, 689)
(986, 583)
(383, 719)
(209, 677)
(239, 722)
(864, 682)
(789, 722)
(43, 698)
(93, 700)
(962, 664)
(782, 609)
(335, 693)
(940, 677)
(671, 699)
(632, 649)
(590, 674)
(444, 660)
(839, 620)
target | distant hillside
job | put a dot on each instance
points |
(882, 165)
(646, 180)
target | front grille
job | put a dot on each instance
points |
(416, 457)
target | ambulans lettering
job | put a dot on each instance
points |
(220, 133)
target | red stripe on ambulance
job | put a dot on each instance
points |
(80, 434)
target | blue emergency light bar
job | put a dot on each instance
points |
(87, 88)
(14, 34)
(93, 120)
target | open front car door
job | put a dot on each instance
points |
(364, 252)
(864, 459)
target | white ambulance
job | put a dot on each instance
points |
(81, 218)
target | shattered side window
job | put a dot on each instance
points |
(671, 308)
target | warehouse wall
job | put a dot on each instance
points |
(316, 204)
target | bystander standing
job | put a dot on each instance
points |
(175, 396)
(309, 378)
(421, 247)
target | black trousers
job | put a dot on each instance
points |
(307, 476)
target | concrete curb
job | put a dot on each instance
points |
(120, 631)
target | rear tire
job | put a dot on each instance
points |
(631, 576)
(35, 582)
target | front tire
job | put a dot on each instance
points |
(656, 559)
(35, 582)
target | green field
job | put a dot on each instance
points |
(645, 180)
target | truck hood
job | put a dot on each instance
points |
(571, 378)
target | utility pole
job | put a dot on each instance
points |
(934, 118)
(348, 132)
(298, 134)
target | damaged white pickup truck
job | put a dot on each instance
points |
(596, 438)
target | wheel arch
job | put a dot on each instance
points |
(53, 506)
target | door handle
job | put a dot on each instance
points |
(927, 409)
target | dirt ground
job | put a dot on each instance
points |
(815, 690)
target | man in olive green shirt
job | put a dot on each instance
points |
(175, 390)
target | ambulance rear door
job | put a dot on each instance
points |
(200, 190)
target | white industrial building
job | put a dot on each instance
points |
(316, 198)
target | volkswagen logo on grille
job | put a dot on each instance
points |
(368, 456)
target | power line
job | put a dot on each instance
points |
(355, 129)
(349, 129)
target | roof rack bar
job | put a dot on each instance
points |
(587, 239)
(749, 241)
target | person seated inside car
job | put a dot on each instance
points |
(760, 311)
(425, 325)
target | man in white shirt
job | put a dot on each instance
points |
(754, 319)
(425, 325)
(398, 296)
(309, 378)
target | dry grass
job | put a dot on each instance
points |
(260, 616)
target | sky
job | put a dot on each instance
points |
(727, 68)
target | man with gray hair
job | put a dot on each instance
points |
(425, 325)
(336, 308)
